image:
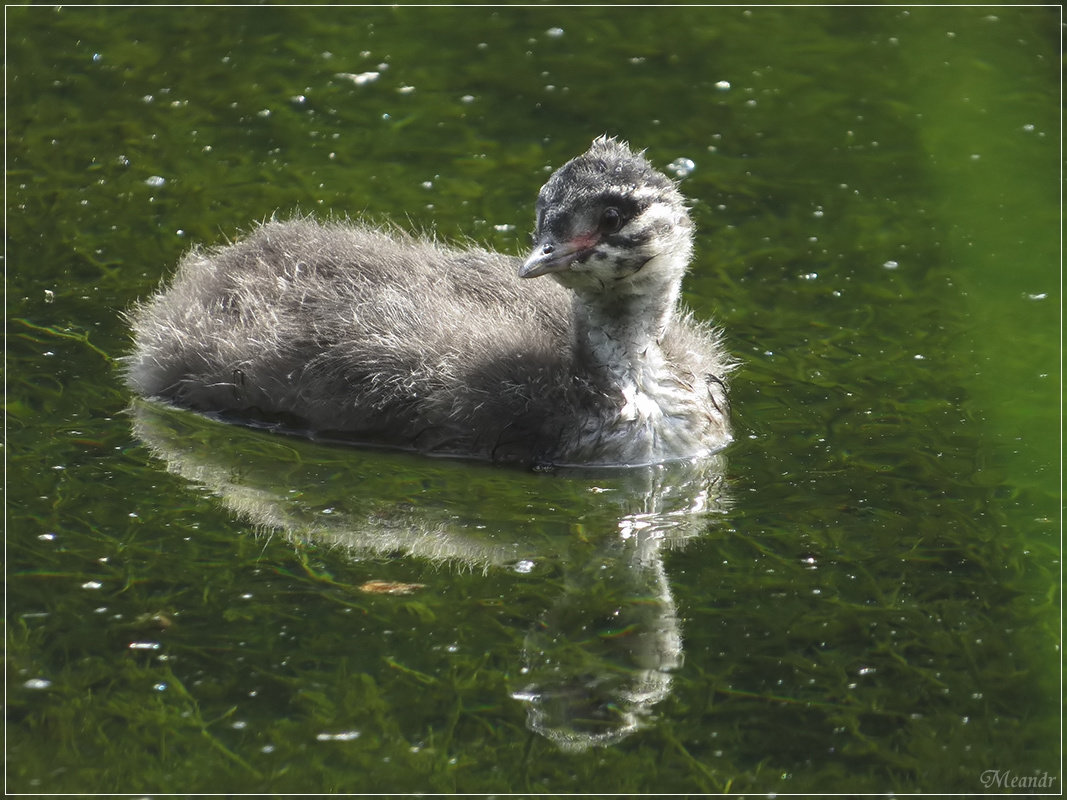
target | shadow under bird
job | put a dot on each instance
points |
(342, 330)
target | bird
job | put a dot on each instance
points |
(579, 354)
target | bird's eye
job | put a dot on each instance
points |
(610, 220)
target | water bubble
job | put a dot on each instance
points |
(37, 683)
(681, 167)
(155, 181)
(722, 86)
(554, 33)
(525, 566)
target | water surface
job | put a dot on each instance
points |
(861, 595)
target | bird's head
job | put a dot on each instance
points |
(608, 221)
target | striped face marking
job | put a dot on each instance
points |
(603, 216)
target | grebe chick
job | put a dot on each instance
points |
(342, 330)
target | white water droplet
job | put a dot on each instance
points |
(681, 167)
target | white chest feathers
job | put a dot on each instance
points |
(660, 416)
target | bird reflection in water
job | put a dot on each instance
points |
(598, 660)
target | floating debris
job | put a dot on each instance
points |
(359, 78)
(390, 587)
(343, 736)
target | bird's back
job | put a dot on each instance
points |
(348, 328)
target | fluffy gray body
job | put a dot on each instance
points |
(345, 330)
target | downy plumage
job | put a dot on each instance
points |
(342, 330)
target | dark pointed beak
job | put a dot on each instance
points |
(548, 256)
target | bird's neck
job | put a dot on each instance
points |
(617, 335)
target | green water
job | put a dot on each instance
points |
(863, 595)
